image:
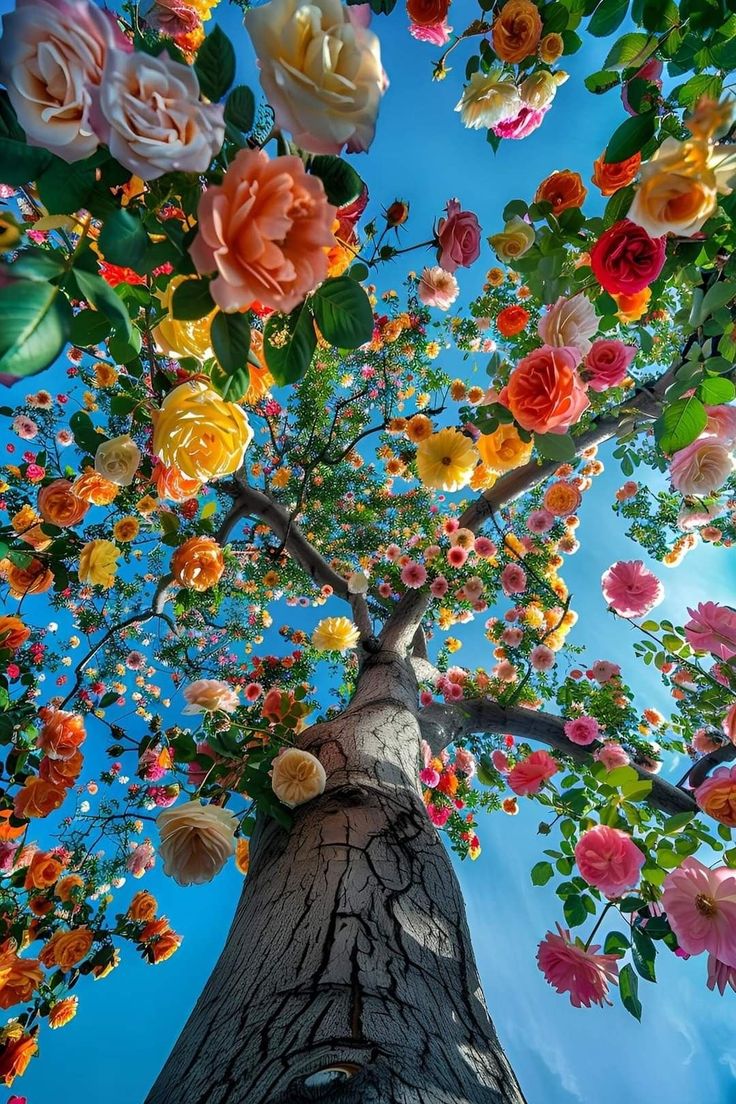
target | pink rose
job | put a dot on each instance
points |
(631, 589)
(608, 859)
(608, 363)
(171, 17)
(703, 742)
(437, 288)
(264, 231)
(611, 755)
(523, 124)
(436, 34)
(702, 467)
(528, 776)
(729, 724)
(571, 967)
(569, 322)
(712, 628)
(500, 761)
(458, 237)
(582, 730)
(721, 422)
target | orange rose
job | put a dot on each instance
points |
(36, 578)
(516, 31)
(198, 563)
(172, 484)
(66, 948)
(142, 907)
(260, 380)
(545, 392)
(503, 450)
(63, 1012)
(61, 733)
(59, 505)
(38, 798)
(40, 906)
(563, 190)
(17, 1052)
(66, 888)
(19, 977)
(609, 178)
(511, 321)
(25, 523)
(13, 633)
(7, 831)
(633, 307)
(61, 772)
(43, 872)
(164, 947)
(94, 488)
(427, 13)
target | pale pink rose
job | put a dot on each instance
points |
(513, 579)
(720, 976)
(712, 628)
(721, 422)
(438, 34)
(542, 658)
(569, 322)
(523, 124)
(608, 362)
(729, 724)
(484, 547)
(465, 762)
(702, 467)
(25, 427)
(438, 587)
(701, 909)
(505, 671)
(141, 859)
(697, 516)
(703, 742)
(52, 57)
(171, 17)
(540, 521)
(603, 671)
(513, 637)
(608, 859)
(582, 730)
(210, 696)
(631, 589)
(437, 288)
(611, 755)
(264, 231)
(529, 775)
(571, 968)
(413, 575)
(148, 111)
(458, 238)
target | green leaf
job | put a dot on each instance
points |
(240, 108)
(341, 182)
(123, 240)
(716, 390)
(541, 873)
(102, 297)
(65, 188)
(230, 335)
(84, 432)
(37, 264)
(555, 446)
(628, 984)
(359, 272)
(343, 313)
(630, 50)
(124, 349)
(621, 776)
(679, 424)
(702, 84)
(616, 943)
(89, 327)
(601, 81)
(608, 17)
(575, 910)
(20, 163)
(629, 138)
(192, 300)
(676, 823)
(644, 954)
(215, 65)
(618, 205)
(36, 320)
(289, 343)
(717, 296)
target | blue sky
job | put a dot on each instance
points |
(684, 1049)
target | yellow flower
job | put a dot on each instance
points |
(418, 428)
(504, 449)
(199, 433)
(551, 47)
(446, 460)
(679, 186)
(453, 644)
(482, 478)
(98, 563)
(516, 238)
(106, 375)
(432, 350)
(457, 390)
(335, 634)
(281, 477)
(178, 338)
(126, 529)
(495, 277)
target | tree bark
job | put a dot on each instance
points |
(349, 946)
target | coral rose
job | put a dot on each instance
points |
(118, 460)
(717, 796)
(61, 772)
(98, 563)
(607, 363)
(320, 70)
(142, 907)
(569, 322)
(625, 259)
(512, 320)
(610, 178)
(631, 589)
(34, 578)
(196, 841)
(198, 563)
(530, 774)
(209, 696)
(92, 487)
(17, 1051)
(199, 433)
(172, 485)
(458, 238)
(61, 733)
(563, 189)
(13, 633)
(177, 337)
(43, 872)
(516, 31)
(58, 504)
(702, 467)
(571, 967)
(19, 977)
(504, 449)
(608, 859)
(297, 776)
(544, 392)
(516, 239)
(37, 799)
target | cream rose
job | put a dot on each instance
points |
(196, 841)
(297, 776)
(53, 53)
(488, 99)
(148, 111)
(702, 467)
(516, 239)
(571, 323)
(209, 696)
(321, 72)
(118, 460)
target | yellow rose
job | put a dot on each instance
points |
(504, 449)
(516, 238)
(98, 563)
(199, 433)
(297, 776)
(176, 337)
(679, 186)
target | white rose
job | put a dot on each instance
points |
(321, 72)
(570, 323)
(539, 89)
(357, 583)
(196, 841)
(148, 111)
(488, 99)
(297, 776)
(118, 460)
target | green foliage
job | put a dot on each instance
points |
(215, 64)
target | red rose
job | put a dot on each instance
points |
(625, 259)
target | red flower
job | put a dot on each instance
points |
(115, 274)
(625, 260)
(511, 321)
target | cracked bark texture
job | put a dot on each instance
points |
(349, 945)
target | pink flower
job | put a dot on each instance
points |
(413, 575)
(484, 547)
(458, 238)
(437, 288)
(701, 909)
(438, 814)
(430, 777)
(542, 658)
(505, 671)
(438, 586)
(703, 742)
(512, 636)
(264, 231)
(729, 724)
(426, 698)
(720, 975)
(253, 691)
(436, 35)
(529, 775)
(540, 521)
(523, 124)
(195, 771)
(608, 859)
(141, 859)
(570, 968)
(456, 556)
(569, 322)
(582, 730)
(650, 71)
(465, 762)
(209, 696)
(611, 755)
(603, 671)
(500, 761)
(721, 422)
(608, 363)
(25, 427)
(712, 628)
(513, 579)
(631, 589)
(171, 17)
(702, 467)
(629, 489)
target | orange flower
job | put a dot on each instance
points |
(61, 773)
(62, 1012)
(143, 906)
(504, 449)
(17, 1052)
(36, 578)
(67, 887)
(242, 855)
(38, 798)
(544, 391)
(561, 498)
(418, 428)
(260, 380)
(516, 31)
(19, 977)
(198, 563)
(563, 190)
(511, 321)
(25, 523)
(164, 947)
(172, 484)
(59, 505)
(633, 307)
(609, 178)
(13, 633)
(43, 872)
(93, 487)
(126, 529)
(7, 831)
(66, 948)
(61, 733)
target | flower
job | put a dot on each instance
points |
(608, 859)
(561, 498)
(436, 34)
(66, 948)
(19, 977)
(633, 307)
(426, 13)
(98, 563)
(264, 231)
(569, 322)
(729, 724)
(720, 975)
(712, 628)
(522, 125)
(625, 259)
(702, 467)
(446, 460)
(582, 730)
(321, 72)
(297, 776)
(195, 841)
(92, 487)
(512, 320)
(437, 288)
(58, 505)
(611, 755)
(564, 190)
(717, 796)
(530, 774)
(242, 856)
(53, 55)
(611, 177)
(17, 1051)
(488, 99)
(721, 422)
(544, 392)
(335, 634)
(513, 579)
(516, 239)
(176, 337)
(126, 529)
(504, 449)
(516, 30)
(200, 434)
(551, 47)
(631, 589)
(458, 237)
(571, 968)
(13, 633)
(679, 186)
(63, 1012)
(148, 112)
(413, 575)
(540, 88)
(171, 484)
(701, 909)
(61, 734)
(118, 460)
(37, 799)
(198, 563)
(607, 363)
(209, 696)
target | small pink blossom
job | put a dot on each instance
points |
(413, 575)
(542, 658)
(25, 427)
(603, 671)
(513, 637)
(506, 672)
(465, 761)
(458, 237)
(437, 34)
(631, 589)
(530, 774)
(437, 288)
(253, 691)
(703, 742)
(523, 124)
(430, 777)
(484, 547)
(611, 755)
(500, 761)
(540, 521)
(570, 968)
(438, 587)
(438, 814)
(141, 859)
(456, 556)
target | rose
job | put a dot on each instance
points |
(530, 774)
(516, 30)
(564, 190)
(610, 178)
(436, 35)
(712, 628)
(625, 259)
(118, 460)
(437, 288)
(458, 238)
(148, 111)
(608, 859)
(650, 72)
(20, 977)
(321, 72)
(521, 125)
(717, 796)
(539, 89)
(35, 578)
(13, 633)
(607, 363)
(516, 239)
(61, 733)
(92, 487)
(68, 888)
(702, 467)
(721, 422)
(210, 695)
(297, 776)
(427, 13)
(53, 54)
(176, 337)
(98, 563)
(571, 322)
(61, 772)
(17, 1052)
(37, 798)
(66, 948)
(199, 433)
(171, 484)
(633, 307)
(264, 231)
(58, 505)
(544, 392)
(171, 17)
(631, 589)
(504, 449)
(25, 525)
(143, 907)
(198, 563)
(196, 841)
(679, 186)
(488, 99)
(43, 872)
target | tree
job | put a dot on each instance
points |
(367, 484)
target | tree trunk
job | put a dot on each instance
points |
(350, 947)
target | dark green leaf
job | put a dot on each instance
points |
(717, 296)
(607, 17)
(192, 300)
(240, 108)
(555, 446)
(630, 137)
(102, 297)
(343, 313)
(341, 182)
(629, 988)
(215, 65)
(541, 873)
(20, 163)
(34, 328)
(65, 188)
(89, 327)
(616, 943)
(84, 432)
(289, 343)
(123, 240)
(575, 910)
(230, 335)
(36, 264)
(601, 81)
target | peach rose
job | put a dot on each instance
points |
(172, 485)
(25, 523)
(198, 563)
(209, 696)
(35, 578)
(264, 231)
(517, 30)
(94, 488)
(142, 907)
(58, 504)
(610, 178)
(68, 888)
(571, 322)
(37, 799)
(98, 563)
(61, 733)
(679, 186)
(702, 467)
(196, 841)
(544, 392)
(67, 948)
(63, 1012)
(13, 633)
(563, 190)
(199, 433)
(118, 460)
(717, 796)
(297, 776)
(503, 449)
